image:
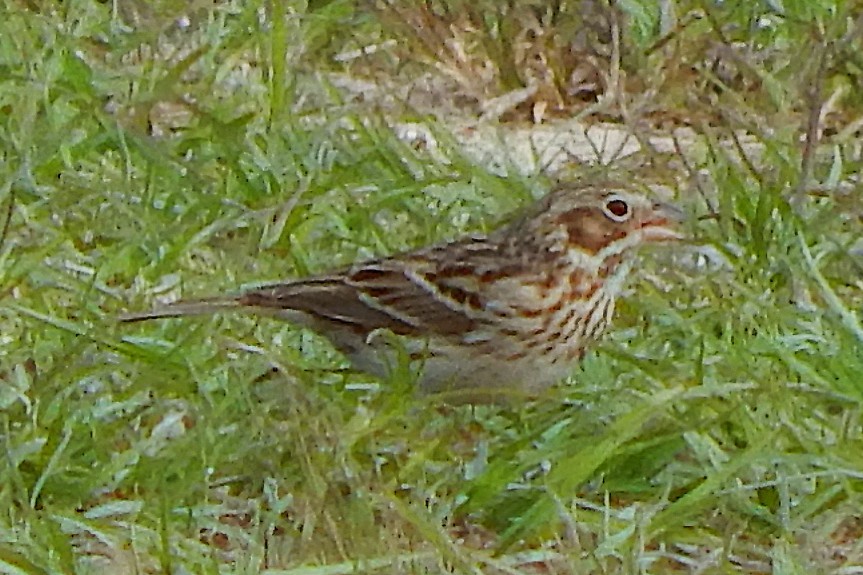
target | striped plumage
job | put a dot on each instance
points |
(506, 312)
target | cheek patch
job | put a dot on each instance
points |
(590, 229)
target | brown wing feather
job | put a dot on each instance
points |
(431, 291)
(401, 290)
(373, 296)
(328, 300)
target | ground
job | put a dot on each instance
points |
(158, 150)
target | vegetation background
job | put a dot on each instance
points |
(152, 150)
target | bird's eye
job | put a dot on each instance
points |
(617, 209)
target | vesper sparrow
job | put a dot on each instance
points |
(505, 312)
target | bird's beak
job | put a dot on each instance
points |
(663, 224)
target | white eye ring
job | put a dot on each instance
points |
(616, 208)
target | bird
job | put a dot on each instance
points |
(482, 316)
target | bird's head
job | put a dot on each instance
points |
(599, 221)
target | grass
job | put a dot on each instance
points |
(151, 150)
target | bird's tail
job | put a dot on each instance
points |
(182, 308)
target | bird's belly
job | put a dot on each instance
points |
(491, 374)
(493, 365)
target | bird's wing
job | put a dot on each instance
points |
(410, 295)
(437, 290)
